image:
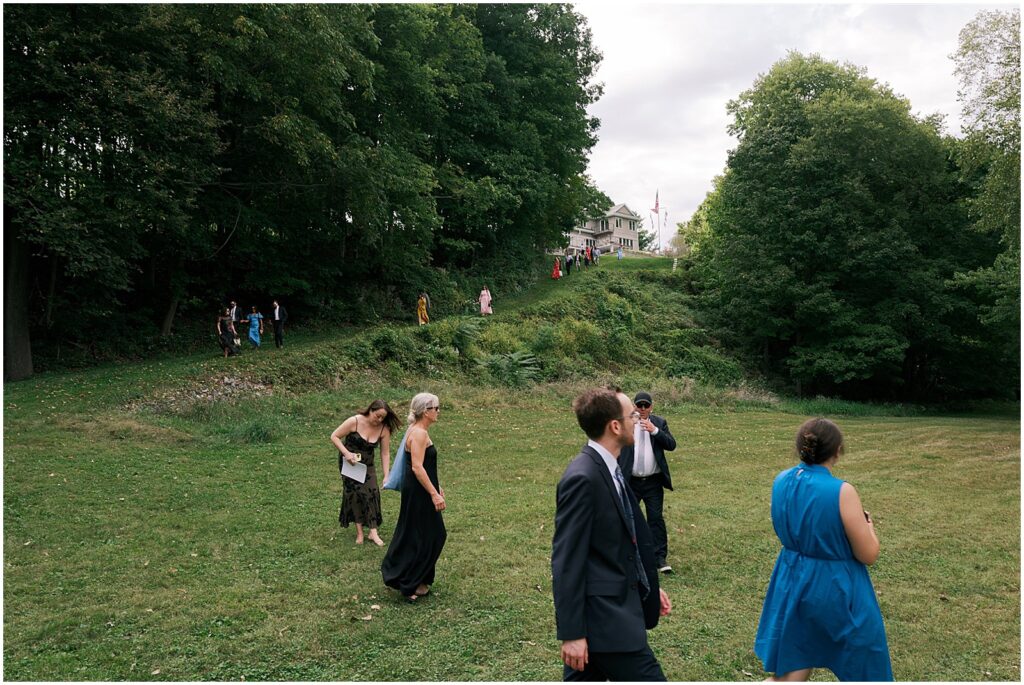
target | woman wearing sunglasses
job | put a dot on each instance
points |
(419, 534)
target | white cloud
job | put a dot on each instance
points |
(670, 68)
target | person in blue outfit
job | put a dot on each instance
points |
(820, 609)
(255, 326)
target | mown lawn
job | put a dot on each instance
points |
(194, 544)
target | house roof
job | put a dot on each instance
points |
(622, 210)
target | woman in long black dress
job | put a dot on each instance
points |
(226, 333)
(420, 534)
(356, 440)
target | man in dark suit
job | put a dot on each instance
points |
(605, 598)
(279, 315)
(235, 313)
(646, 467)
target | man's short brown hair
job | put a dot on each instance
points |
(595, 408)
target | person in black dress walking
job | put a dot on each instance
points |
(356, 440)
(419, 535)
(226, 333)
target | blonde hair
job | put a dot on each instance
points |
(419, 406)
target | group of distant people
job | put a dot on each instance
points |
(423, 305)
(820, 608)
(579, 260)
(231, 318)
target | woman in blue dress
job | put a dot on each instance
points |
(820, 609)
(255, 326)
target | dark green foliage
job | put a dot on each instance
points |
(514, 369)
(988, 65)
(826, 250)
(163, 159)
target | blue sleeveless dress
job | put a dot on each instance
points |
(820, 609)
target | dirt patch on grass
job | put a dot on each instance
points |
(105, 428)
(219, 389)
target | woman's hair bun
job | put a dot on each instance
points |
(818, 440)
(808, 446)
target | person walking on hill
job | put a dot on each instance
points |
(485, 301)
(356, 439)
(279, 315)
(820, 609)
(568, 264)
(255, 321)
(646, 467)
(605, 588)
(226, 334)
(236, 314)
(421, 310)
(556, 272)
(410, 563)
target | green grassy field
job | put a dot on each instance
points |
(199, 540)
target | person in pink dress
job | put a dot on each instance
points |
(556, 273)
(485, 302)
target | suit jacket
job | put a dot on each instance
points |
(283, 314)
(660, 443)
(594, 580)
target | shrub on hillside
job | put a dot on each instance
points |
(499, 338)
(581, 339)
(398, 345)
(516, 369)
(706, 364)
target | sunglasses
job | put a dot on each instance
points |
(643, 405)
(437, 408)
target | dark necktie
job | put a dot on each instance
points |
(628, 509)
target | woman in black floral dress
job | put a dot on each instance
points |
(356, 440)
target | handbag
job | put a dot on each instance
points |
(397, 473)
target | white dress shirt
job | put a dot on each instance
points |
(611, 462)
(644, 463)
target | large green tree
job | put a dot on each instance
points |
(988, 66)
(107, 143)
(830, 238)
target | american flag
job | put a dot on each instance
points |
(655, 209)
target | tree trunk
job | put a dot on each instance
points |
(51, 291)
(168, 323)
(17, 343)
(175, 289)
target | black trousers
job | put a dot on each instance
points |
(635, 666)
(279, 333)
(651, 492)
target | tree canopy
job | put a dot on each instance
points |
(160, 159)
(827, 249)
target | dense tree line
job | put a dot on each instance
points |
(160, 159)
(851, 248)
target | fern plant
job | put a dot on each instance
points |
(515, 369)
(465, 334)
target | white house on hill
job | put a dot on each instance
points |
(618, 227)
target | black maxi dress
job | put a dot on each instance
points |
(419, 534)
(227, 338)
(360, 502)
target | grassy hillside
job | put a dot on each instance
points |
(177, 520)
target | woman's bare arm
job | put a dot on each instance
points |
(860, 529)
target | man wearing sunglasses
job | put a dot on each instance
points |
(646, 467)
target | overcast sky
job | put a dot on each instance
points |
(669, 69)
